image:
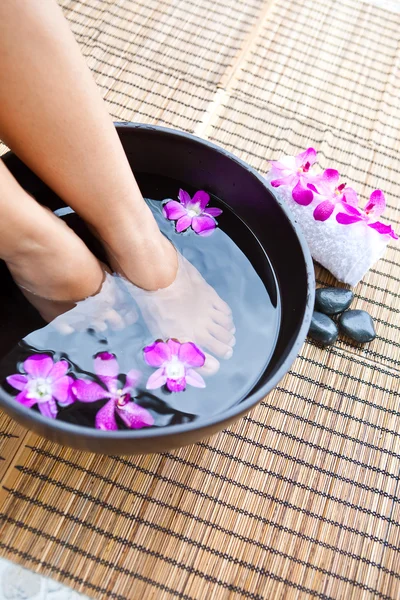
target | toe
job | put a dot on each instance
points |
(220, 349)
(210, 367)
(219, 304)
(114, 319)
(224, 320)
(222, 334)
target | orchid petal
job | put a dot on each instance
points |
(330, 176)
(286, 163)
(201, 198)
(351, 210)
(324, 210)
(302, 195)
(184, 198)
(105, 418)
(309, 155)
(195, 379)
(183, 223)
(174, 346)
(203, 225)
(132, 379)
(48, 409)
(17, 381)
(213, 211)
(38, 365)
(377, 204)
(191, 355)
(61, 390)
(134, 415)
(382, 228)
(176, 385)
(156, 379)
(284, 180)
(350, 197)
(312, 187)
(88, 391)
(106, 367)
(22, 398)
(157, 354)
(59, 370)
(345, 219)
(173, 210)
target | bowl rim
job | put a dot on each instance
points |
(254, 397)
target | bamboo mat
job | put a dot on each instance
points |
(300, 499)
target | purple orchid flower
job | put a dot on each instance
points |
(192, 212)
(295, 171)
(175, 364)
(372, 211)
(45, 383)
(107, 370)
(325, 187)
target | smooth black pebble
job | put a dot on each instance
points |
(332, 301)
(322, 329)
(357, 325)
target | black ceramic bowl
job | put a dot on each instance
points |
(194, 163)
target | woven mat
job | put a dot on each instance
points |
(299, 499)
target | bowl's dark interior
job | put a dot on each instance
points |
(154, 152)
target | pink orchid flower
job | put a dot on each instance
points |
(325, 187)
(369, 215)
(107, 370)
(295, 171)
(192, 212)
(45, 383)
(175, 363)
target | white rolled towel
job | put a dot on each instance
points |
(344, 238)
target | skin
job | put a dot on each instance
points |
(53, 117)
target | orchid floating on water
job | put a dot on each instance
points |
(372, 211)
(175, 363)
(119, 398)
(192, 212)
(295, 171)
(44, 383)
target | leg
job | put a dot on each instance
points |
(44, 256)
(53, 117)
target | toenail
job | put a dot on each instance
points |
(233, 341)
(233, 330)
(228, 354)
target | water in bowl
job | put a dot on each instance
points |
(249, 288)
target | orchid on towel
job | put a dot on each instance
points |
(44, 383)
(119, 398)
(372, 211)
(329, 194)
(295, 172)
(192, 212)
(175, 363)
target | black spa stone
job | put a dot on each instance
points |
(322, 329)
(358, 325)
(332, 301)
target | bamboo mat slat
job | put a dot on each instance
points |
(300, 499)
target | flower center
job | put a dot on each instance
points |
(122, 398)
(40, 389)
(339, 189)
(304, 168)
(175, 369)
(194, 210)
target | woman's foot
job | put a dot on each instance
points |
(55, 271)
(189, 310)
